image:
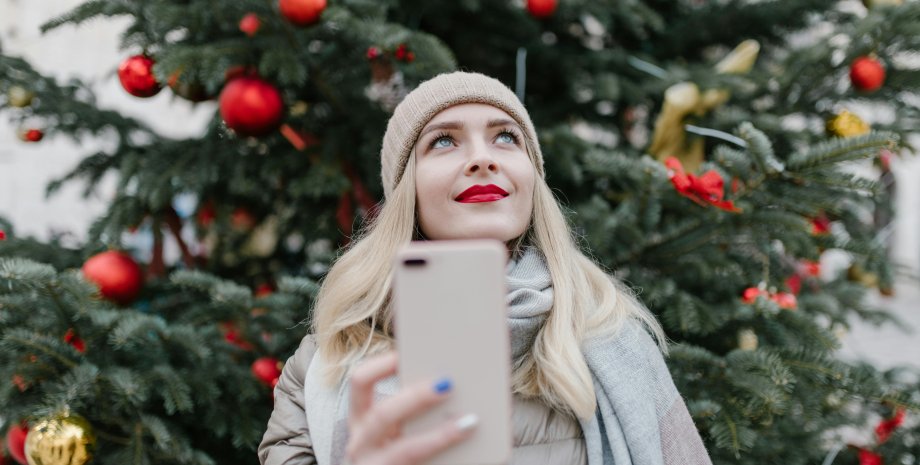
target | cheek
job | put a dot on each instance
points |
(526, 189)
(430, 192)
(525, 179)
(426, 185)
(525, 207)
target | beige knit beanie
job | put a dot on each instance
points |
(432, 96)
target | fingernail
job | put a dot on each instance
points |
(442, 386)
(467, 422)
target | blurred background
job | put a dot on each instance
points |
(25, 170)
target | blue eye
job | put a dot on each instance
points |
(436, 142)
(508, 136)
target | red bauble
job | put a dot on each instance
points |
(867, 74)
(242, 220)
(232, 335)
(250, 24)
(751, 294)
(267, 370)
(541, 9)
(785, 300)
(820, 225)
(20, 383)
(118, 276)
(251, 106)
(402, 53)
(373, 53)
(811, 268)
(136, 76)
(2, 235)
(16, 442)
(32, 135)
(302, 12)
(263, 290)
(206, 214)
(884, 158)
(794, 284)
(71, 338)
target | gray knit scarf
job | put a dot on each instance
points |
(640, 419)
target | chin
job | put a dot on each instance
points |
(460, 232)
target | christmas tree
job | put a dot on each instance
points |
(704, 150)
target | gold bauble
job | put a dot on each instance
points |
(299, 108)
(63, 440)
(857, 274)
(840, 331)
(19, 97)
(263, 240)
(747, 339)
(847, 124)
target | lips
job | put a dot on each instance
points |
(478, 193)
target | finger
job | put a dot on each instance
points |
(421, 447)
(388, 415)
(363, 379)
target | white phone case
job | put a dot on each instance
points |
(451, 320)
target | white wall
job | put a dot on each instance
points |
(89, 52)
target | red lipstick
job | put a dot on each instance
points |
(478, 193)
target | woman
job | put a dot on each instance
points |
(590, 384)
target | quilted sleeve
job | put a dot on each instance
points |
(287, 439)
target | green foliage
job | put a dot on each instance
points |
(150, 378)
(840, 150)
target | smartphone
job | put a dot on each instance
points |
(451, 320)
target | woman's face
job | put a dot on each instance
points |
(462, 147)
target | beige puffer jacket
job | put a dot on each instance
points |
(541, 436)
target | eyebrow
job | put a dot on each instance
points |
(459, 125)
(445, 125)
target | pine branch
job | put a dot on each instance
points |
(87, 11)
(176, 393)
(760, 149)
(23, 341)
(127, 388)
(194, 279)
(301, 286)
(840, 150)
(26, 272)
(136, 329)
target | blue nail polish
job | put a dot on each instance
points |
(442, 386)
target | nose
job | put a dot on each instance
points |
(481, 159)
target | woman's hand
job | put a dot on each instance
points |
(375, 430)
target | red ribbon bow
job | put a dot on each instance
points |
(785, 300)
(708, 188)
(867, 457)
(887, 426)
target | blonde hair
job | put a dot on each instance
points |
(352, 316)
